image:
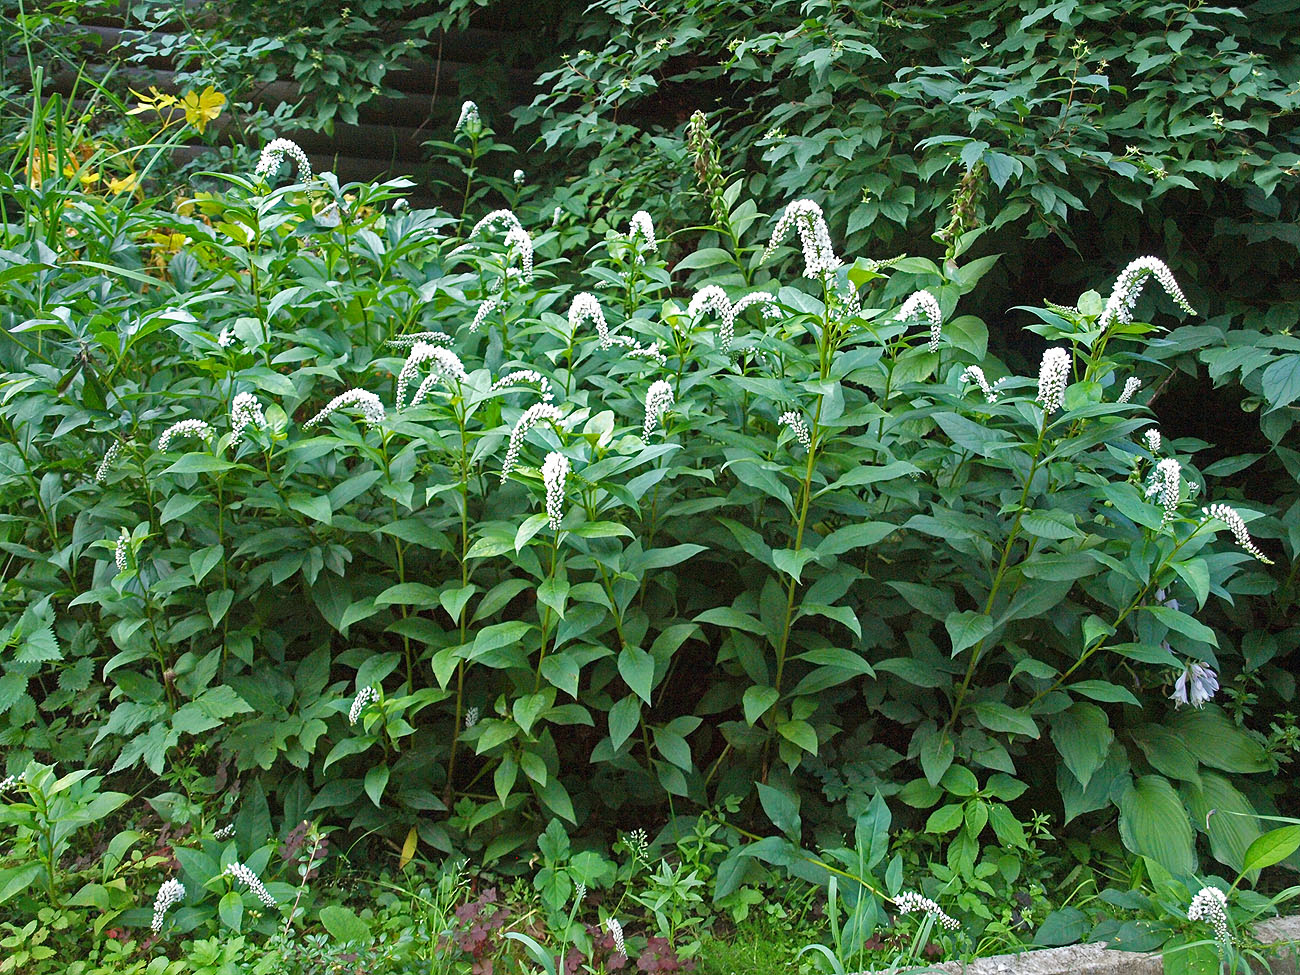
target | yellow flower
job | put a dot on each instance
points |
(126, 184)
(155, 101)
(200, 109)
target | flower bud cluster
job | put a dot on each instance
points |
(363, 698)
(713, 298)
(251, 881)
(587, 308)
(1119, 306)
(172, 892)
(1237, 525)
(245, 411)
(1166, 483)
(531, 417)
(1131, 385)
(1053, 377)
(469, 120)
(657, 400)
(798, 427)
(911, 903)
(268, 164)
(110, 456)
(922, 304)
(641, 234)
(443, 365)
(372, 409)
(1151, 438)
(121, 549)
(974, 374)
(555, 469)
(199, 429)
(1211, 905)
(526, 377)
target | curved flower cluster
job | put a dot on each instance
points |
(224, 833)
(1237, 525)
(532, 416)
(616, 932)
(503, 217)
(1195, 685)
(638, 351)
(518, 237)
(1053, 377)
(1122, 300)
(469, 120)
(641, 233)
(110, 457)
(227, 337)
(910, 903)
(586, 308)
(798, 427)
(1151, 438)
(199, 429)
(172, 892)
(250, 880)
(555, 469)
(443, 364)
(657, 400)
(525, 377)
(372, 409)
(1211, 905)
(121, 549)
(922, 304)
(974, 374)
(364, 697)
(1166, 483)
(1131, 385)
(272, 158)
(245, 410)
(806, 217)
(471, 716)
(406, 341)
(487, 307)
(713, 298)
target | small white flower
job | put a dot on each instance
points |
(555, 469)
(122, 549)
(641, 233)
(580, 892)
(911, 903)
(224, 833)
(555, 217)
(651, 352)
(922, 304)
(273, 157)
(531, 417)
(1151, 438)
(806, 217)
(519, 239)
(110, 456)
(7, 783)
(657, 400)
(227, 337)
(1237, 525)
(1195, 685)
(616, 932)
(713, 298)
(372, 409)
(1120, 304)
(503, 217)
(798, 427)
(471, 716)
(974, 374)
(406, 341)
(518, 177)
(170, 893)
(1053, 377)
(525, 377)
(1211, 905)
(245, 411)
(199, 429)
(443, 365)
(586, 308)
(1166, 482)
(364, 697)
(485, 308)
(251, 881)
(469, 120)
(1131, 385)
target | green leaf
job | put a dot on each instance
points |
(409, 594)
(624, 717)
(801, 733)
(945, 819)
(1007, 828)
(1271, 848)
(1052, 525)
(997, 716)
(314, 506)
(1182, 623)
(1101, 690)
(757, 700)
(1225, 815)
(1082, 736)
(196, 463)
(1153, 822)
(967, 628)
(231, 909)
(1281, 381)
(553, 593)
(344, 925)
(1216, 740)
(782, 809)
(637, 668)
(936, 755)
(376, 782)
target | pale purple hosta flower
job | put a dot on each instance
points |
(170, 893)
(525, 377)
(1211, 905)
(122, 549)
(922, 304)
(531, 417)
(110, 457)
(657, 400)
(798, 427)
(1120, 304)
(406, 341)
(469, 120)
(1166, 483)
(245, 411)
(1131, 385)
(503, 217)
(363, 698)
(641, 234)
(616, 932)
(268, 164)
(1237, 525)
(1053, 377)
(1151, 438)
(555, 469)
(471, 716)
(1195, 685)
(487, 307)
(443, 365)
(518, 237)
(199, 429)
(974, 374)
(586, 308)
(251, 881)
(372, 409)
(806, 217)
(911, 903)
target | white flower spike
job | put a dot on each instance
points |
(372, 409)
(1211, 905)
(911, 903)
(245, 411)
(272, 158)
(818, 254)
(1166, 483)
(1131, 385)
(798, 427)
(251, 881)
(443, 365)
(922, 304)
(657, 400)
(198, 429)
(555, 469)
(1053, 377)
(1122, 300)
(532, 416)
(359, 703)
(641, 234)
(1237, 525)
(713, 298)
(974, 374)
(170, 893)
(586, 308)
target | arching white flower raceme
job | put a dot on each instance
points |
(1211, 905)
(227, 337)
(518, 239)
(525, 377)
(245, 411)
(1053, 377)
(469, 121)
(443, 365)
(1237, 525)
(1151, 438)
(713, 298)
(616, 932)
(922, 304)
(503, 217)
(487, 307)
(198, 429)
(974, 374)
(363, 698)
(911, 903)
(657, 400)
(251, 881)
(406, 341)
(798, 427)
(1131, 385)
(641, 234)
(635, 350)
(122, 549)
(555, 469)
(272, 158)
(532, 416)
(371, 407)
(586, 308)
(1122, 300)
(1195, 685)
(110, 458)
(806, 217)
(170, 893)
(471, 717)
(1166, 483)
